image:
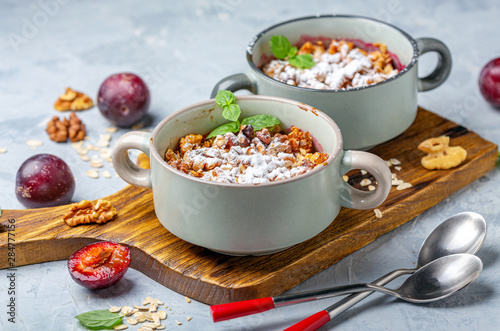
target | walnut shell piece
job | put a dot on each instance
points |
(73, 100)
(85, 212)
(57, 130)
(76, 128)
(440, 155)
(72, 128)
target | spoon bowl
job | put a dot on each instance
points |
(440, 278)
(461, 233)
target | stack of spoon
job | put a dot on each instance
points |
(446, 264)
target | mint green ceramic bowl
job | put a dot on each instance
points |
(247, 219)
(367, 116)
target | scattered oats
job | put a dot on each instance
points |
(132, 321)
(403, 186)
(148, 316)
(389, 163)
(109, 159)
(187, 299)
(85, 158)
(141, 319)
(371, 188)
(156, 318)
(158, 302)
(365, 182)
(397, 182)
(96, 163)
(137, 126)
(150, 325)
(378, 213)
(3, 150)
(77, 145)
(105, 152)
(395, 162)
(178, 323)
(92, 174)
(34, 143)
(115, 309)
(105, 173)
(189, 318)
(82, 150)
(146, 301)
(144, 328)
(116, 175)
(364, 172)
(127, 311)
(160, 327)
(111, 129)
(398, 168)
(141, 307)
(345, 177)
(153, 307)
(92, 147)
(121, 327)
(138, 315)
(393, 176)
(162, 314)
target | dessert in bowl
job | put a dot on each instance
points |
(367, 114)
(252, 217)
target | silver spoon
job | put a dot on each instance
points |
(461, 233)
(434, 281)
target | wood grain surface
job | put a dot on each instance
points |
(41, 235)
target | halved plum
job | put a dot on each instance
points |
(99, 265)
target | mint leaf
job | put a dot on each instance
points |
(293, 51)
(225, 128)
(99, 319)
(302, 61)
(225, 98)
(280, 46)
(232, 112)
(259, 122)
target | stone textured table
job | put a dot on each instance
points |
(182, 49)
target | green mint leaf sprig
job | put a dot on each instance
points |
(225, 128)
(99, 319)
(225, 98)
(231, 111)
(281, 48)
(259, 122)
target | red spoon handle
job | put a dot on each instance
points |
(241, 308)
(311, 323)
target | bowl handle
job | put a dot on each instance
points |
(357, 199)
(234, 83)
(443, 67)
(122, 163)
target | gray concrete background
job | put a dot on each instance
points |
(182, 49)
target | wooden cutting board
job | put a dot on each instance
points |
(41, 235)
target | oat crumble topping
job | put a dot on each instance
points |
(339, 65)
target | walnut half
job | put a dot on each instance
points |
(73, 100)
(84, 212)
(440, 154)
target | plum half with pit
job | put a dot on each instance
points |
(44, 180)
(99, 265)
(123, 99)
(489, 82)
